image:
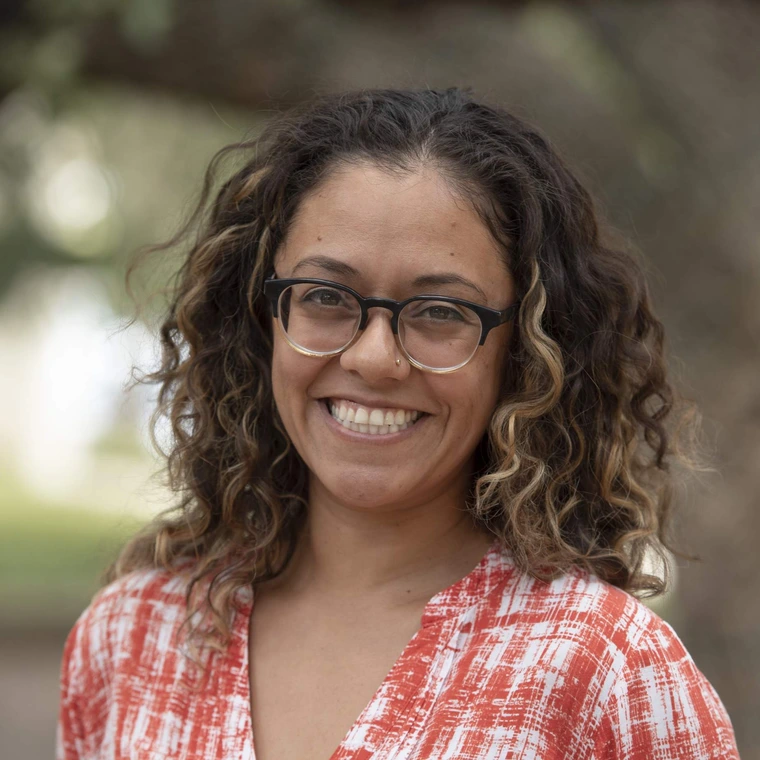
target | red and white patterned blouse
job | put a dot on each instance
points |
(502, 667)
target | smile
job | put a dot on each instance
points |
(373, 421)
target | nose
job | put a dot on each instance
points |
(374, 353)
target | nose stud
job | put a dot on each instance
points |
(398, 362)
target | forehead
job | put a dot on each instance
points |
(392, 227)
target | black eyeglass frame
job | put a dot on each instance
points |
(489, 318)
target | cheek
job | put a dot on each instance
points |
(494, 358)
(291, 374)
(471, 396)
(484, 385)
(498, 362)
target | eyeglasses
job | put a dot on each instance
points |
(435, 333)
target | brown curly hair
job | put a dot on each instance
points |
(574, 469)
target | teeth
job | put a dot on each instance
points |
(372, 421)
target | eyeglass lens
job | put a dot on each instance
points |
(324, 320)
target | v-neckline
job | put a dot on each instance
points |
(442, 607)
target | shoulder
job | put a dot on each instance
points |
(138, 610)
(576, 625)
(600, 628)
(120, 646)
(596, 652)
(138, 598)
(607, 621)
(140, 594)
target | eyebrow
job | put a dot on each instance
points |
(423, 281)
(327, 263)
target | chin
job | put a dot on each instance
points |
(365, 491)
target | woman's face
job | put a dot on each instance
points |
(378, 233)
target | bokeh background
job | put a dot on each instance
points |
(111, 109)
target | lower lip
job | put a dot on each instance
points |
(374, 438)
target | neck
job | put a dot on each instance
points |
(402, 555)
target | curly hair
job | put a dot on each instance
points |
(575, 467)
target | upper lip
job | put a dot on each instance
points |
(374, 403)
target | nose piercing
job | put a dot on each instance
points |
(398, 362)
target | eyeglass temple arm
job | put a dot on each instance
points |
(495, 318)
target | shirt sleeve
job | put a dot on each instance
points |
(661, 707)
(83, 693)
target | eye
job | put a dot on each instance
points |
(324, 297)
(441, 313)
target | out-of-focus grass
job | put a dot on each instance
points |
(52, 557)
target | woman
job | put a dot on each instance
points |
(422, 437)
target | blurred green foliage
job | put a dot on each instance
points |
(52, 557)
